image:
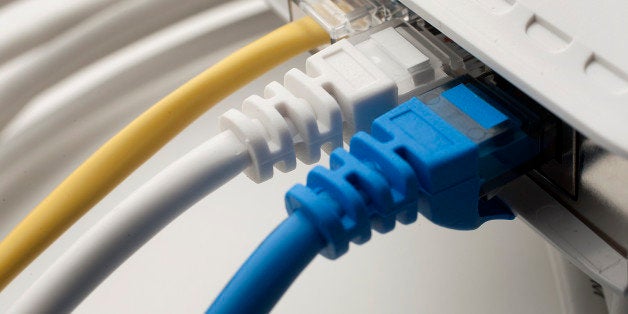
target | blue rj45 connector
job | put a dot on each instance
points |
(432, 156)
(440, 155)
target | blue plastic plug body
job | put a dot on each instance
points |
(431, 156)
(485, 120)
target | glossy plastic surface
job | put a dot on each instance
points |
(568, 55)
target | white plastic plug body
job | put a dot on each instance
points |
(341, 93)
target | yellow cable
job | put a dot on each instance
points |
(143, 137)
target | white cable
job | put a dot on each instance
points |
(49, 27)
(117, 26)
(47, 115)
(31, 154)
(292, 120)
(133, 222)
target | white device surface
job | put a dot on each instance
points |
(570, 55)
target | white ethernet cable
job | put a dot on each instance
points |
(133, 223)
(49, 26)
(40, 134)
(342, 86)
(43, 117)
(113, 28)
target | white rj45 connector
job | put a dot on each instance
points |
(344, 87)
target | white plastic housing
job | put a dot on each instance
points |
(341, 93)
(568, 55)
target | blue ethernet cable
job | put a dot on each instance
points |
(271, 269)
(435, 155)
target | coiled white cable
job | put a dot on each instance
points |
(292, 120)
(113, 28)
(49, 27)
(37, 139)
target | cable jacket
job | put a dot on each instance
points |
(271, 269)
(50, 27)
(131, 224)
(114, 27)
(126, 151)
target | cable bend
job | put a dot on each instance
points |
(143, 137)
